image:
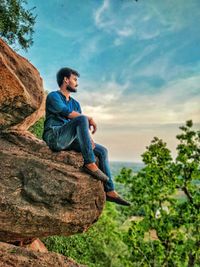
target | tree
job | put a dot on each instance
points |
(16, 23)
(166, 193)
(166, 201)
(101, 246)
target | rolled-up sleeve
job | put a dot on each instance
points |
(55, 104)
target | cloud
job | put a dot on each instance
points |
(175, 15)
(177, 102)
(96, 98)
(106, 20)
(125, 32)
(141, 55)
(127, 123)
(60, 31)
(143, 20)
(99, 13)
(155, 62)
(90, 48)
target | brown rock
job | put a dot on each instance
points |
(33, 244)
(44, 193)
(37, 245)
(21, 92)
(11, 256)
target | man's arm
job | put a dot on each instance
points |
(55, 105)
(92, 123)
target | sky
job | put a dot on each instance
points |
(139, 65)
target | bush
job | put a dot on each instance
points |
(102, 245)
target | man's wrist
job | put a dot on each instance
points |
(90, 119)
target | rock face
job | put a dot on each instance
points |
(21, 92)
(21, 257)
(43, 193)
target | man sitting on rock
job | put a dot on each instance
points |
(66, 128)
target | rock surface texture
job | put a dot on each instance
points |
(21, 93)
(21, 257)
(42, 193)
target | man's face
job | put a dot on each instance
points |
(72, 83)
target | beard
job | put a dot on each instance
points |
(70, 89)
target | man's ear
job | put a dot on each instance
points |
(66, 80)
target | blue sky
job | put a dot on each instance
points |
(139, 64)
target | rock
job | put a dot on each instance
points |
(37, 245)
(11, 255)
(44, 193)
(33, 244)
(21, 92)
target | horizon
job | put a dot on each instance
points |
(139, 65)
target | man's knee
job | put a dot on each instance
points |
(103, 151)
(82, 119)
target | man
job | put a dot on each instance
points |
(66, 128)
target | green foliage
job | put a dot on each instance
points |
(159, 229)
(101, 246)
(16, 23)
(154, 194)
(37, 128)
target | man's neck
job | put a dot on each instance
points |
(65, 92)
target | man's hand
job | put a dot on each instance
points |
(92, 124)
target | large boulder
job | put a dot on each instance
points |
(21, 93)
(11, 255)
(43, 193)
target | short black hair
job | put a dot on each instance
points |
(65, 72)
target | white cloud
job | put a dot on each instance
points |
(158, 67)
(177, 102)
(125, 32)
(100, 113)
(96, 98)
(101, 92)
(133, 120)
(106, 20)
(99, 13)
(90, 48)
(137, 58)
(174, 15)
(118, 42)
(163, 65)
(142, 20)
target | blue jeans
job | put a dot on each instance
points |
(74, 135)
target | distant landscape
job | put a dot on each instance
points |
(116, 166)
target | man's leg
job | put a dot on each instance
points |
(76, 128)
(111, 195)
(102, 153)
(79, 128)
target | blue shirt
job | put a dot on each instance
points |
(58, 108)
